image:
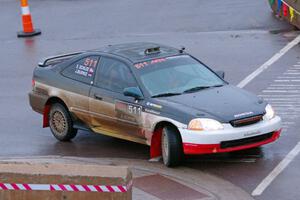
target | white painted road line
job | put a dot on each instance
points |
(292, 70)
(291, 73)
(285, 104)
(282, 88)
(277, 95)
(292, 87)
(267, 64)
(281, 91)
(283, 77)
(284, 85)
(288, 123)
(282, 80)
(279, 80)
(278, 169)
(287, 116)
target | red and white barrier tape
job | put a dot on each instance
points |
(67, 188)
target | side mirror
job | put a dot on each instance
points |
(221, 74)
(134, 92)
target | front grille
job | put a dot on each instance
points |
(246, 121)
(245, 141)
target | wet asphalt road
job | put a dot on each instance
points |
(231, 35)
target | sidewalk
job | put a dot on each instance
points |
(152, 180)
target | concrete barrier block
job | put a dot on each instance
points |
(24, 181)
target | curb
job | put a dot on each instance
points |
(211, 186)
(26, 181)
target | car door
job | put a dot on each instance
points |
(77, 84)
(112, 113)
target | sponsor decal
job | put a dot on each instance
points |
(147, 63)
(154, 105)
(243, 114)
(81, 70)
(251, 133)
(87, 69)
(152, 111)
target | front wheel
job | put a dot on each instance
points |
(172, 151)
(61, 124)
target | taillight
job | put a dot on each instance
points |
(32, 83)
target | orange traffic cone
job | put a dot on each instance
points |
(28, 29)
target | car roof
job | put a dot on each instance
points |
(135, 52)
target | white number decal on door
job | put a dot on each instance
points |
(136, 110)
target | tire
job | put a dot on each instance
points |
(61, 124)
(171, 144)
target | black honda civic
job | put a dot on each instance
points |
(151, 94)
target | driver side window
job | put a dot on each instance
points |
(114, 75)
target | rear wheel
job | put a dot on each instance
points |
(171, 144)
(61, 124)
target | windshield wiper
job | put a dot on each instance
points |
(194, 89)
(197, 88)
(217, 85)
(167, 94)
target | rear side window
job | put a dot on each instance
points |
(114, 75)
(82, 70)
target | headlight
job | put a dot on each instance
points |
(270, 113)
(205, 124)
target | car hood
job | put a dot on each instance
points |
(224, 103)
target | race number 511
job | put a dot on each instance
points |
(135, 110)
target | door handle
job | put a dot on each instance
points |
(98, 97)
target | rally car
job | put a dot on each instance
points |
(151, 94)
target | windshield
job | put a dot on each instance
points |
(175, 75)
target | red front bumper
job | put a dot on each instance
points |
(190, 148)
